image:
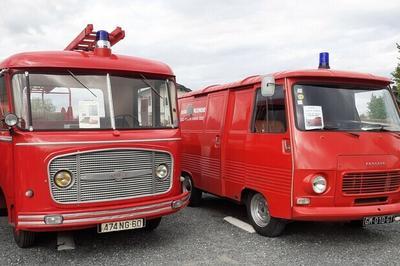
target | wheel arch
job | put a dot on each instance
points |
(246, 192)
(187, 174)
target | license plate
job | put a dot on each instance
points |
(385, 219)
(121, 226)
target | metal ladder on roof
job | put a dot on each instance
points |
(86, 40)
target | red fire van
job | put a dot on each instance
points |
(314, 145)
(88, 138)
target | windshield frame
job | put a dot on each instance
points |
(100, 72)
(369, 86)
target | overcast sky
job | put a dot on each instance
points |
(207, 42)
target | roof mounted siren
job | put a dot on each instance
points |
(324, 60)
(102, 39)
(98, 41)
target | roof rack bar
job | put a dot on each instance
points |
(116, 35)
(86, 31)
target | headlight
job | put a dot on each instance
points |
(319, 184)
(63, 179)
(162, 171)
(11, 120)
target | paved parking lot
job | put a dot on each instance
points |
(200, 236)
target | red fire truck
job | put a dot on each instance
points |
(314, 145)
(88, 138)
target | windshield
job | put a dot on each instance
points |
(85, 101)
(344, 108)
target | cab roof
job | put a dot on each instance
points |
(85, 60)
(311, 73)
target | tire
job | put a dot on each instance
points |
(3, 212)
(258, 214)
(195, 193)
(24, 239)
(152, 224)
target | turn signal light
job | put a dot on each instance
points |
(53, 219)
(303, 201)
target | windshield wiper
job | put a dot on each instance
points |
(334, 129)
(382, 128)
(376, 127)
(80, 82)
(323, 128)
(151, 86)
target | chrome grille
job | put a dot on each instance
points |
(365, 183)
(110, 175)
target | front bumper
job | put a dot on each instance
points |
(81, 219)
(343, 213)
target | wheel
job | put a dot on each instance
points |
(195, 193)
(3, 212)
(152, 224)
(260, 218)
(24, 239)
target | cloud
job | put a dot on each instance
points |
(208, 42)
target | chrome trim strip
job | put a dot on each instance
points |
(72, 215)
(112, 149)
(99, 219)
(116, 175)
(110, 102)
(94, 142)
(117, 217)
(6, 138)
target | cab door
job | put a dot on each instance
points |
(268, 151)
(211, 142)
(6, 160)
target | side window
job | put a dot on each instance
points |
(269, 112)
(4, 109)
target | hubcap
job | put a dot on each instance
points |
(259, 210)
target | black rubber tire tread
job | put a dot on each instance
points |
(273, 229)
(24, 239)
(3, 212)
(195, 197)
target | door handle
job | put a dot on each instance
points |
(286, 147)
(217, 140)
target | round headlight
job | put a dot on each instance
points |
(63, 179)
(162, 171)
(11, 120)
(319, 184)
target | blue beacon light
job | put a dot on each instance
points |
(102, 39)
(324, 60)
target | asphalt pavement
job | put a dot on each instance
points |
(200, 236)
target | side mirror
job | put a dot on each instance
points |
(10, 120)
(267, 86)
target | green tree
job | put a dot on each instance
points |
(396, 73)
(376, 108)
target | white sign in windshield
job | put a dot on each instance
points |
(313, 117)
(89, 114)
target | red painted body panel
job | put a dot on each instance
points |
(259, 162)
(86, 60)
(26, 155)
